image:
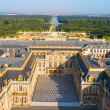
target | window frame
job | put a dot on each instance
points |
(21, 89)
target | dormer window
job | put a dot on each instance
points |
(90, 79)
(20, 78)
(7, 49)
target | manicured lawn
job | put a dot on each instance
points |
(54, 29)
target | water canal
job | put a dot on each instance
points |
(54, 21)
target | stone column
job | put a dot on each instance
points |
(62, 72)
(29, 101)
(6, 98)
(96, 51)
(93, 51)
(102, 50)
(104, 100)
(64, 68)
(81, 100)
(52, 72)
(47, 72)
(57, 72)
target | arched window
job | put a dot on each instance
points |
(55, 64)
(90, 79)
(20, 78)
(50, 64)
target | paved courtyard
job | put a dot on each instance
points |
(55, 89)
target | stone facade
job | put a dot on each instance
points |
(91, 91)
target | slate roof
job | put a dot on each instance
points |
(15, 73)
(1, 52)
(97, 75)
(50, 43)
(8, 60)
(20, 62)
(12, 74)
(55, 43)
(98, 46)
(93, 63)
(11, 46)
(2, 69)
(21, 43)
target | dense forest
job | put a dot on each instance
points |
(10, 25)
(99, 27)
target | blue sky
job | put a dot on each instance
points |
(57, 7)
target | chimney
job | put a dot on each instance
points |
(101, 64)
(104, 56)
(27, 49)
(91, 57)
(86, 49)
(99, 58)
(13, 55)
(98, 62)
(23, 56)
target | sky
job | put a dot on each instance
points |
(56, 7)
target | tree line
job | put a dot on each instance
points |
(99, 27)
(11, 25)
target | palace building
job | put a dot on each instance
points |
(54, 71)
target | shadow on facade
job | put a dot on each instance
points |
(58, 86)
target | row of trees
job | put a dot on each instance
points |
(12, 25)
(63, 19)
(100, 27)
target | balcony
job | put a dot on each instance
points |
(20, 94)
(87, 94)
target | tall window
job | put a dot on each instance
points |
(55, 64)
(106, 51)
(60, 57)
(94, 51)
(24, 99)
(43, 64)
(20, 88)
(100, 51)
(55, 72)
(85, 99)
(55, 57)
(50, 57)
(71, 54)
(93, 99)
(60, 65)
(50, 64)
(90, 89)
(66, 65)
(103, 51)
(59, 71)
(70, 65)
(16, 100)
(39, 53)
(39, 64)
